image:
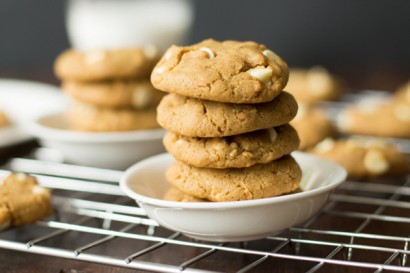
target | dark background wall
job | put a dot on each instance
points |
(351, 37)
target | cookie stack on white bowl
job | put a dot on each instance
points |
(227, 121)
(111, 88)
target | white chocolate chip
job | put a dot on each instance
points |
(151, 51)
(141, 97)
(272, 134)
(303, 109)
(160, 69)
(95, 56)
(21, 177)
(270, 54)
(263, 74)
(210, 53)
(375, 162)
(325, 145)
(345, 121)
(38, 190)
(402, 112)
(318, 81)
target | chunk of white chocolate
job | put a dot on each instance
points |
(160, 69)
(150, 51)
(38, 190)
(375, 162)
(402, 112)
(273, 135)
(263, 74)
(325, 145)
(270, 54)
(21, 177)
(95, 56)
(210, 53)
(141, 97)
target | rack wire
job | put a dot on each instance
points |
(95, 222)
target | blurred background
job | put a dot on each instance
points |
(365, 42)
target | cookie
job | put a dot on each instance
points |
(364, 157)
(388, 119)
(4, 120)
(312, 125)
(313, 85)
(259, 181)
(88, 118)
(402, 94)
(22, 201)
(99, 65)
(229, 71)
(236, 151)
(174, 194)
(200, 118)
(129, 93)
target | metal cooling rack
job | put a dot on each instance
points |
(92, 217)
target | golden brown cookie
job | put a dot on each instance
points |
(229, 71)
(364, 157)
(4, 120)
(313, 85)
(116, 93)
(259, 181)
(88, 118)
(388, 119)
(22, 201)
(236, 151)
(104, 64)
(174, 194)
(402, 94)
(312, 125)
(199, 118)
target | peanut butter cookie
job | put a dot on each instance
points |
(229, 71)
(259, 181)
(236, 151)
(200, 118)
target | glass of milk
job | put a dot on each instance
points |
(127, 23)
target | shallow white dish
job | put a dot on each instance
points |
(112, 150)
(23, 101)
(232, 221)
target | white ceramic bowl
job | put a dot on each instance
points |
(112, 150)
(232, 221)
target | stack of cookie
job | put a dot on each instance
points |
(227, 121)
(111, 88)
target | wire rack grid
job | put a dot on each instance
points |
(95, 222)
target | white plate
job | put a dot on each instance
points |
(112, 150)
(23, 101)
(232, 221)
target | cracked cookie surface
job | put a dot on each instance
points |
(236, 151)
(229, 71)
(259, 181)
(200, 118)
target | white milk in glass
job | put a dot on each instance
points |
(127, 23)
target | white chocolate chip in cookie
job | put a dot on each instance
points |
(263, 74)
(141, 97)
(402, 112)
(38, 190)
(95, 56)
(160, 69)
(273, 135)
(318, 81)
(325, 145)
(21, 177)
(303, 109)
(150, 51)
(210, 53)
(271, 55)
(375, 162)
